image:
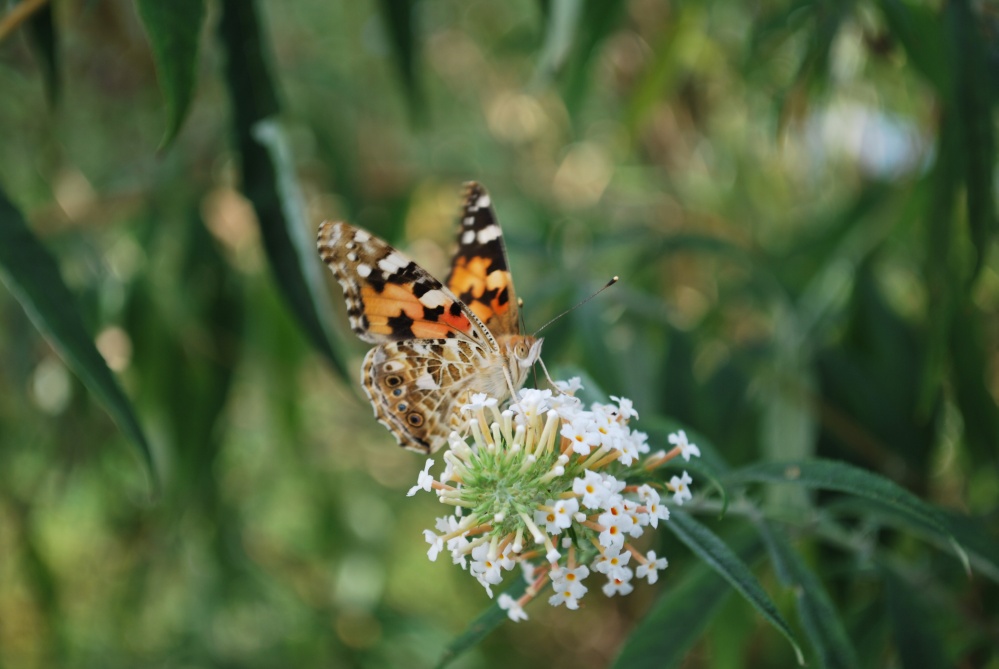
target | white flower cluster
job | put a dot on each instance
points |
(536, 474)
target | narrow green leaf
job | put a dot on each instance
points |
(917, 642)
(918, 29)
(597, 21)
(561, 21)
(706, 545)
(479, 628)
(841, 477)
(42, 33)
(33, 277)
(819, 618)
(975, 99)
(174, 29)
(969, 367)
(268, 176)
(664, 636)
(399, 23)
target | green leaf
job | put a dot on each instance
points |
(707, 546)
(918, 29)
(174, 29)
(479, 628)
(975, 101)
(268, 177)
(398, 17)
(597, 21)
(969, 367)
(663, 637)
(917, 642)
(841, 477)
(42, 33)
(33, 277)
(819, 618)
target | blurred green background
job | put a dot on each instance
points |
(799, 198)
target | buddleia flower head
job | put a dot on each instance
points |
(543, 485)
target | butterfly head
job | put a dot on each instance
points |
(525, 350)
(520, 352)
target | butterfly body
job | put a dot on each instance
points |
(437, 344)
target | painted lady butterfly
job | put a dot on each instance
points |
(437, 344)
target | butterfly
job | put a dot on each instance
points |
(437, 343)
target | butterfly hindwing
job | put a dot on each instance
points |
(417, 386)
(480, 274)
(389, 297)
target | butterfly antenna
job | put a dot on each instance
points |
(573, 308)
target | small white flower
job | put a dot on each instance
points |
(531, 404)
(652, 567)
(612, 562)
(424, 481)
(582, 434)
(619, 585)
(640, 519)
(679, 439)
(436, 545)
(681, 489)
(568, 586)
(512, 607)
(592, 489)
(478, 402)
(569, 387)
(625, 408)
(488, 571)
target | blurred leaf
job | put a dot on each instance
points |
(42, 33)
(919, 30)
(597, 20)
(174, 30)
(707, 546)
(819, 617)
(841, 477)
(561, 22)
(678, 619)
(33, 277)
(917, 642)
(479, 628)
(975, 102)
(398, 16)
(268, 175)
(969, 366)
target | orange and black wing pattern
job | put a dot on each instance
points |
(480, 275)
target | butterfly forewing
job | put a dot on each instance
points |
(480, 274)
(389, 297)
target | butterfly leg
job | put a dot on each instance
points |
(548, 376)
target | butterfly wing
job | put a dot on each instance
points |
(417, 387)
(480, 274)
(389, 297)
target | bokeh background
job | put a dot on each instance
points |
(798, 197)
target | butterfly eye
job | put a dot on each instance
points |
(415, 419)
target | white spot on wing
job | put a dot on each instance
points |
(363, 271)
(433, 298)
(489, 233)
(361, 236)
(483, 202)
(468, 236)
(469, 220)
(392, 263)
